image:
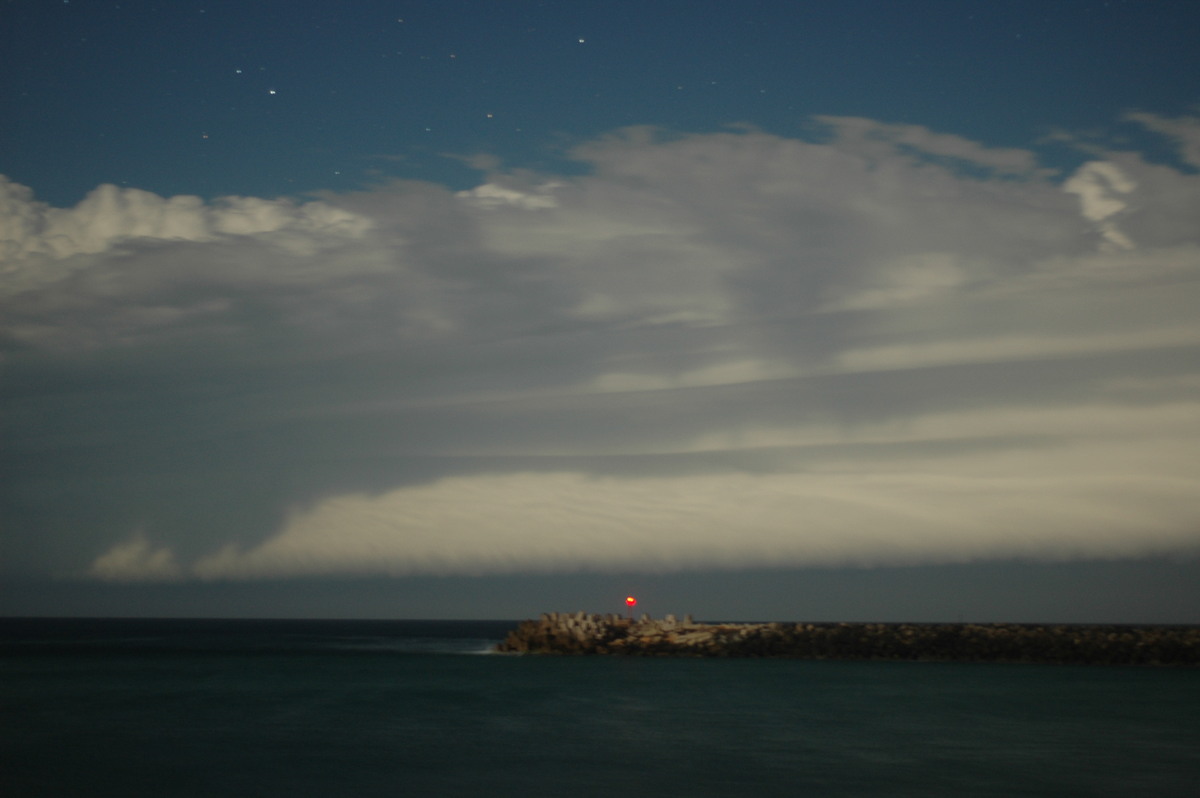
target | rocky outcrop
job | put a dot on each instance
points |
(583, 634)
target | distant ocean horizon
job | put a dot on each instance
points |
(205, 707)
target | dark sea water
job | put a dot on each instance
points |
(408, 708)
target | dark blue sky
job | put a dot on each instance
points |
(177, 97)
(862, 309)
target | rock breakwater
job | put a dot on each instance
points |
(589, 634)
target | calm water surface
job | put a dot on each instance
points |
(360, 708)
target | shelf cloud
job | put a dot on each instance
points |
(886, 344)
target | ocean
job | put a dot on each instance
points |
(421, 708)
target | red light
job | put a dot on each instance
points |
(630, 600)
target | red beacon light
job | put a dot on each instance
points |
(631, 601)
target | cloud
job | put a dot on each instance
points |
(1100, 185)
(1073, 492)
(1184, 131)
(491, 195)
(136, 561)
(709, 350)
(868, 135)
(110, 215)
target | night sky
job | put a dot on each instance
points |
(831, 311)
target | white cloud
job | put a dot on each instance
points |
(912, 278)
(1159, 428)
(863, 132)
(719, 349)
(491, 195)
(1099, 185)
(723, 372)
(110, 215)
(1185, 131)
(1014, 347)
(1091, 501)
(136, 560)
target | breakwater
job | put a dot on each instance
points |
(589, 634)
